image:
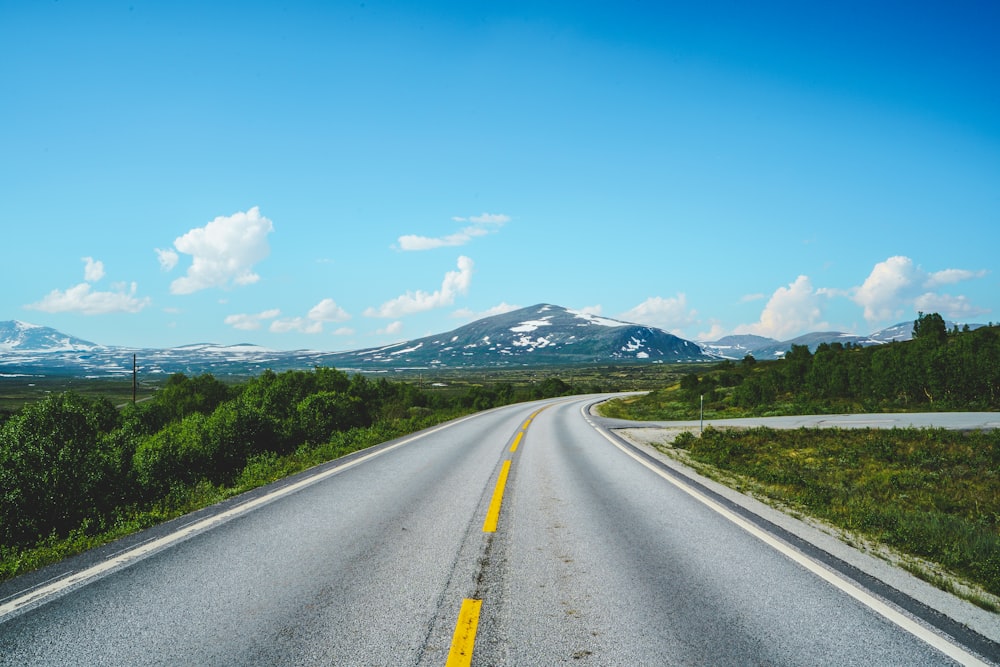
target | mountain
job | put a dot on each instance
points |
(540, 335)
(543, 334)
(16, 336)
(737, 347)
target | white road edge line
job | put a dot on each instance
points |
(950, 649)
(131, 555)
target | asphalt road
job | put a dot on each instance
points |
(391, 558)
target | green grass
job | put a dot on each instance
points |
(931, 493)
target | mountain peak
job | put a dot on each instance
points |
(539, 334)
(16, 335)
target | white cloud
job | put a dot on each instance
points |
(414, 242)
(168, 259)
(591, 310)
(670, 314)
(328, 311)
(715, 332)
(93, 270)
(84, 300)
(484, 224)
(790, 311)
(467, 314)
(251, 322)
(897, 286)
(748, 298)
(454, 284)
(223, 252)
(298, 324)
(324, 311)
(946, 305)
(343, 331)
(951, 276)
(891, 284)
(391, 329)
(490, 219)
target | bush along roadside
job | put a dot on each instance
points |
(75, 472)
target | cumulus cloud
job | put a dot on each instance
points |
(168, 259)
(484, 224)
(455, 283)
(669, 314)
(468, 314)
(325, 311)
(296, 324)
(251, 322)
(951, 276)
(953, 307)
(715, 332)
(897, 286)
(790, 311)
(328, 311)
(85, 300)
(223, 252)
(93, 270)
(887, 288)
(391, 329)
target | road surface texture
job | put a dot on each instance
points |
(525, 535)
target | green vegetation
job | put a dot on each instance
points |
(931, 493)
(76, 472)
(938, 370)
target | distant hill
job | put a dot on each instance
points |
(543, 334)
(762, 348)
(739, 345)
(540, 335)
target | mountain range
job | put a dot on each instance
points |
(543, 334)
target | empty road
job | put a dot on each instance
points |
(523, 535)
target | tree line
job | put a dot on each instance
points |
(70, 463)
(937, 370)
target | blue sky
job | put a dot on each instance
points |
(336, 176)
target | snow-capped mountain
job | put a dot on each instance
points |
(21, 336)
(540, 334)
(543, 334)
(738, 346)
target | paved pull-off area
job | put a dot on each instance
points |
(525, 535)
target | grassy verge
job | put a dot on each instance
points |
(932, 494)
(259, 471)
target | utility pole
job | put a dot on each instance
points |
(133, 379)
(701, 426)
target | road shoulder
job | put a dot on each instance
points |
(965, 613)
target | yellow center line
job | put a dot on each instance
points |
(464, 638)
(493, 515)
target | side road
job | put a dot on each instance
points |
(643, 435)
